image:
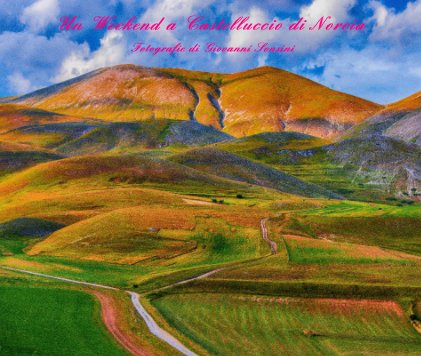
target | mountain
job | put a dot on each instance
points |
(382, 161)
(400, 120)
(264, 99)
(407, 128)
(384, 150)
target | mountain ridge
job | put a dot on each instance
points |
(264, 99)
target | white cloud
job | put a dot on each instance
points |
(112, 51)
(35, 57)
(310, 40)
(175, 9)
(19, 84)
(372, 73)
(380, 13)
(172, 10)
(246, 38)
(390, 25)
(318, 8)
(305, 40)
(40, 14)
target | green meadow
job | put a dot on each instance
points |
(313, 243)
(258, 325)
(52, 321)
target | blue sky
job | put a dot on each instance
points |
(381, 63)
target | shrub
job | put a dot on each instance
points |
(219, 243)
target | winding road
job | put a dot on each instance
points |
(155, 329)
(135, 299)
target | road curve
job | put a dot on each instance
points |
(150, 322)
(135, 297)
(272, 244)
(109, 314)
(155, 329)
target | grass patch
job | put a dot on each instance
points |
(250, 325)
(52, 322)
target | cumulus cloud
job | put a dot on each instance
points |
(338, 10)
(390, 25)
(247, 38)
(19, 84)
(305, 41)
(112, 51)
(387, 52)
(384, 79)
(172, 10)
(40, 14)
(36, 57)
(310, 40)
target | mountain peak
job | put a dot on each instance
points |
(263, 99)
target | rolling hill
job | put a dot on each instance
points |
(240, 104)
(256, 201)
(76, 138)
(110, 171)
(231, 166)
(13, 116)
(412, 102)
(11, 161)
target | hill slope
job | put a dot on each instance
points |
(240, 104)
(407, 129)
(231, 166)
(111, 171)
(76, 138)
(412, 102)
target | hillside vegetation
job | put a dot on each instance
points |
(241, 104)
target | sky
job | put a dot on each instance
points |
(381, 63)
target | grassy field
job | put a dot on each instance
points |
(51, 321)
(370, 224)
(251, 325)
(312, 268)
(302, 250)
(133, 205)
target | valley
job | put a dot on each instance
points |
(164, 211)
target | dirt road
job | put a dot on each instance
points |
(109, 315)
(272, 244)
(109, 311)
